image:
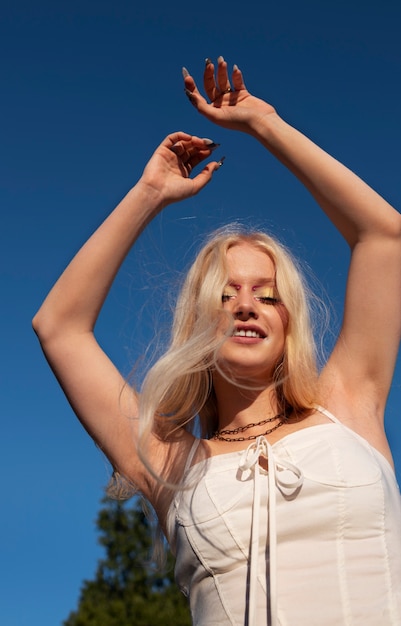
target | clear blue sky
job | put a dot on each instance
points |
(89, 88)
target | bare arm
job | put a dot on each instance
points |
(65, 322)
(362, 364)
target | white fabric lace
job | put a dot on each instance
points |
(277, 478)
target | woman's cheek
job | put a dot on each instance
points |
(226, 323)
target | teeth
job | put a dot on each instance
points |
(246, 333)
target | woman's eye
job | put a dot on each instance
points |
(229, 293)
(266, 295)
(267, 299)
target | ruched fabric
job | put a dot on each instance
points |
(303, 532)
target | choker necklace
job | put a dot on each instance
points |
(220, 434)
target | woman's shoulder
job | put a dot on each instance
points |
(358, 409)
(167, 456)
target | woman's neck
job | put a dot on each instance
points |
(240, 405)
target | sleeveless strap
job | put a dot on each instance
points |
(329, 415)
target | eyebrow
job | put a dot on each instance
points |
(257, 282)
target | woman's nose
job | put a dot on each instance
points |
(245, 307)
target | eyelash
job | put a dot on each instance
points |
(263, 299)
(267, 300)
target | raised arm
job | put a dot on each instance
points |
(66, 320)
(362, 363)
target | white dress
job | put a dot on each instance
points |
(323, 549)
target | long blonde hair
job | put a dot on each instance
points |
(178, 391)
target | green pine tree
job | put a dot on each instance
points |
(127, 589)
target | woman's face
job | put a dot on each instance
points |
(260, 319)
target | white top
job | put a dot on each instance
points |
(331, 553)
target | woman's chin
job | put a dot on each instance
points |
(241, 374)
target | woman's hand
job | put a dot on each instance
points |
(231, 105)
(167, 174)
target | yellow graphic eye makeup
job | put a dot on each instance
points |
(229, 292)
(266, 294)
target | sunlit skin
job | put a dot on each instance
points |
(258, 340)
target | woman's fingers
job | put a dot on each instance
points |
(185, 155)
(204, 177)
(193, 151)
(175, 138)
(237, 79)
(191, 144)
(179, 149)
(223, 82)
(219, 84)
(211, 89)
(216, 84)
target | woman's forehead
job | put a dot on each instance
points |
(246, 262)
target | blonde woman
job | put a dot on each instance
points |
(286, 510)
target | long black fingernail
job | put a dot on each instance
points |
(208, 61)
(220, 163)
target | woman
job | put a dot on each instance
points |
(283, 514)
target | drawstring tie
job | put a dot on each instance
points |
(290, 479)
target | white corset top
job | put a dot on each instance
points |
(314, 539)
